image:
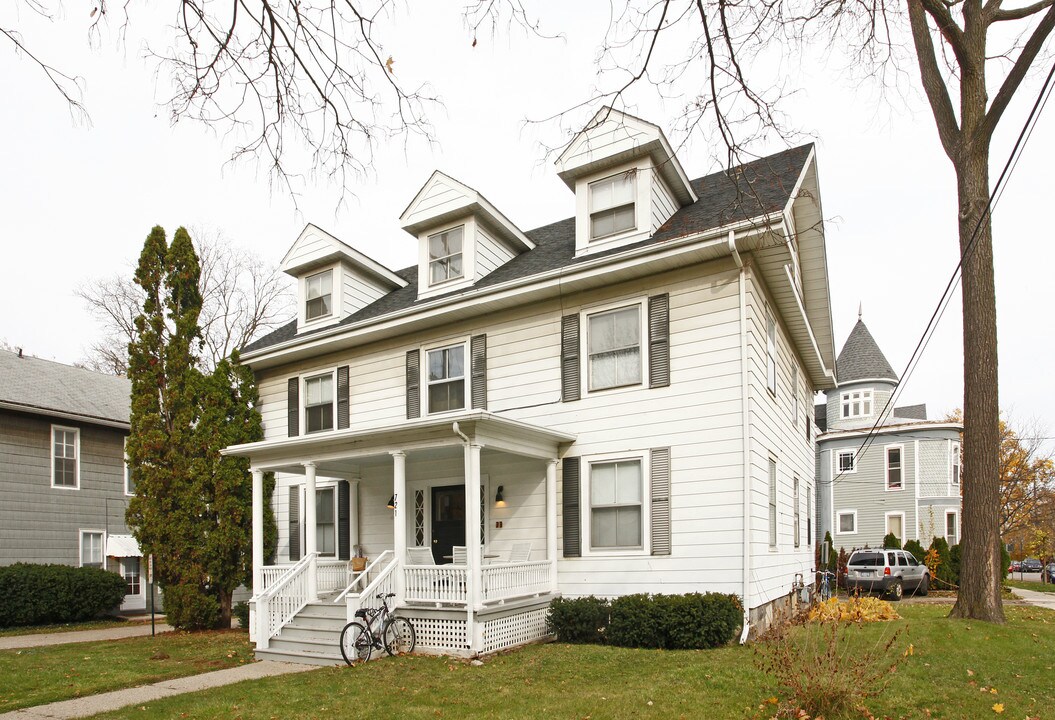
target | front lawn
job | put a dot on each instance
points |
(956, 670)
(73, 627)
(1031, 585)
(33, 676)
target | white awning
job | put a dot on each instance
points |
(121, 546)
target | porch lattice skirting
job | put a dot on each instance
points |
(519, 629)
(438, 635)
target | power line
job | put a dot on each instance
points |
(1012, 162)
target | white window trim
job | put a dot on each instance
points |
(81, 532)
(846, 398)
(773, 502)
(835, 457)
(303, 410)
(76, 449)
(955, 461)
(466, 376)
(886, 467)
(945, 530)
(886, 524)
(838, 515)
(128, 472)
(772, 353)
(142, 576)
(584, 342)
(336, 299)
(796, 512)
(635, 173)
(794, 393)
(428, 260)
(586, 507)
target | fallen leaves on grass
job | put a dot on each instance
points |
(859, 610)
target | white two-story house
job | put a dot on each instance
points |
(617, 402)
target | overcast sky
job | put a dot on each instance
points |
(77, 201)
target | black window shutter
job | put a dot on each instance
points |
(478, 351)
(293, 406)
(344, 547)
(294, 523)
(342, 398)
(570, 492)
(659, 341)
(569, 358)
(413, 384)
(659, 470)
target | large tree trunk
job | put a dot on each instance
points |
(980, 567)
(226, 598)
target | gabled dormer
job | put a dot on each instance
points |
(334, 280)
(626, 178)
(461, 236)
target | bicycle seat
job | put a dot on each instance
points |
(361, 613)
(385, 596)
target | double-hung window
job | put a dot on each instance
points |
(613, 205)
(846, 523)
(616, 501)
(771, 353)
(895, 525)
(446, 378)
(846, 461)
(857, 403)
(894, 467)
(65, 447)
(772, 502)
(445, 255)
(614, 348)
(954, 461)
(130, 570)
(91, 548)
(325, 522)
(318, 403)
(797, 533)
(318, 295)
(950, 528)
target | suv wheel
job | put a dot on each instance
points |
(896, 590)
(924, 586)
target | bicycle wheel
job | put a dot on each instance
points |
(399, 636)
(356, 643)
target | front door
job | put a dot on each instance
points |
(135, 597)
(448, 521)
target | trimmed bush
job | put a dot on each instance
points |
(914, 547)
(49, 594)
(637, 621)
(188, 607)
(241, 611)
(579, 620)
(675, 622)
(890, 542)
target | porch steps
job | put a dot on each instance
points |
(312, 637)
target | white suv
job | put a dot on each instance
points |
(891, 572)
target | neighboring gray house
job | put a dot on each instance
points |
(905, 481)
(64, 485)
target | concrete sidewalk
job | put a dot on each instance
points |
(76, 636)
(1040, 599)
(105, 702)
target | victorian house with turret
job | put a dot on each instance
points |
(879, 470)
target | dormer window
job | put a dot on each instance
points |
(318, 403)
(612, 205)
(319, 294)
(856, 404)
(446, 378)
(445, 255)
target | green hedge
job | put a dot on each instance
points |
(671, 622)
(51, 594)
(190, 607)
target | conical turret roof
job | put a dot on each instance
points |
(861, 358)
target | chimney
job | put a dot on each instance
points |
(20, 353)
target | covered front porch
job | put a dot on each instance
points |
(457, 517)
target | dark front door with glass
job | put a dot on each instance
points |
(448, 521)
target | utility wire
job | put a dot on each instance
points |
(1012, 162)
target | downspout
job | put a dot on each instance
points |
(745, 433)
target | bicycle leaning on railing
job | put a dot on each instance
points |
(378, 629)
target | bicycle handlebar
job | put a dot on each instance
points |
(385, 596)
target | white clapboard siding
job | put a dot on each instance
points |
(615, 135)
(439, 198)
(663, 203)
(358, 290)
(491, 253)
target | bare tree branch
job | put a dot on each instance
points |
(933, 83)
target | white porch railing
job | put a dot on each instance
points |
(511, 580)
(384, 582)
(282, 600)
(438, 584)
(332, 574)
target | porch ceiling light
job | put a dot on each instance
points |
(499, 498)
(391, 503)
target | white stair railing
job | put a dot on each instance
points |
(384, 582)
(282, 600)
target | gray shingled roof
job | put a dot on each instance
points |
(820, 416)
(862, 359)
(748, 191)
(911, 412)
(46, 387)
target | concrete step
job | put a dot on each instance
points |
(304, 658)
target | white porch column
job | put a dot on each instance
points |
(310, 537)
(258, 531)
(551, 521)
(399, 519)
(474, 552)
